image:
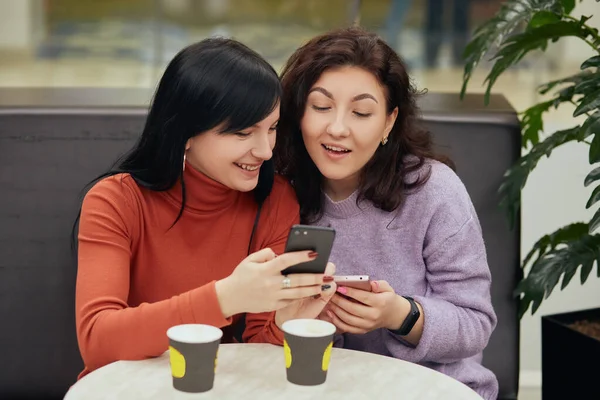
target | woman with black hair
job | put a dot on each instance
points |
(361, 162)
(170, 235)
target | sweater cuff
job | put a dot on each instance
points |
(440, 330)
(274, 330)
(338, 340)
(202, 306)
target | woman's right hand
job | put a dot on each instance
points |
(256, 284)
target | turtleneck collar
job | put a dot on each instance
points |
(202, 194)
(344, 208)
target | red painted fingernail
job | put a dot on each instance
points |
(342, 290)
(327, 278)
(313, 254)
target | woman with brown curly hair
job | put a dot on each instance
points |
(350, 143)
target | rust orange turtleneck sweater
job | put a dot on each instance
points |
(137, 278)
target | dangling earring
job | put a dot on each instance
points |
(184, 161)
(384, 141)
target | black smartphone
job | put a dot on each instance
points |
(314, 238)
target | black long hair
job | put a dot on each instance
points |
(383, 179)
(215, 81)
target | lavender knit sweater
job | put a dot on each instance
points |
(432, 249)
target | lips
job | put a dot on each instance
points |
(248, 167)
(335, 148)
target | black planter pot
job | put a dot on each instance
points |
(569, 358)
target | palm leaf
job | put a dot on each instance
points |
(532, 123)
(583, 83)
(551, 241)
(574, 79)
(591, 62)
(512, 15)
(587, 86)
(590, 103)
(516, 47)
(568, 5)
(595, 222)
(516, 177)
(590, 127)
(594, 197)
(542, 18)
(580, 249)
(592, 176)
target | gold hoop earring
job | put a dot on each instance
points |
(184, 161)
(384, 141)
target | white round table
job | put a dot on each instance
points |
(257, 371)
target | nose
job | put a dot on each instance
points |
(337, 127)
(263, 148)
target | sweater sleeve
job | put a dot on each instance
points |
(457, 308)
(107, 328)
(261, 328)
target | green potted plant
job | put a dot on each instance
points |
(519, 28)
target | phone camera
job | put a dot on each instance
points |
(306, 233)
(297, 233)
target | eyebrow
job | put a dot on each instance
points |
(274, 123)
(361, 96)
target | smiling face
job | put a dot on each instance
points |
(344, 123)
(234, 159)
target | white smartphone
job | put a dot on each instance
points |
(361, 282)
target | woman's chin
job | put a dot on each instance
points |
(334, 172)
(244, 184)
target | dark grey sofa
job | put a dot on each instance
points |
(54, 141)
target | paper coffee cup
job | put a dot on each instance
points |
(193, 356)
(307, 348)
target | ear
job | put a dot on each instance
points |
(188, 144)
(390, 121)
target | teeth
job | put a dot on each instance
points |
(333, 148)
(248, 167)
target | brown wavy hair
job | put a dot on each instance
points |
(383, 178)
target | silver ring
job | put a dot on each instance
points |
(286, 283)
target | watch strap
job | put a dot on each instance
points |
(410, 320)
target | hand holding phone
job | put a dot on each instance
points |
(314, 238)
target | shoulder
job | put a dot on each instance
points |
(282, 203)
(115, 187)
(279, 212)
(117, 192)
(283, 193)
(443, 191)
(442, 179)
(111, 207)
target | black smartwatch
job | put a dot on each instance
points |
(410, 320)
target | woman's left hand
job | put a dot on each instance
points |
(309, 307)
(359, 311)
